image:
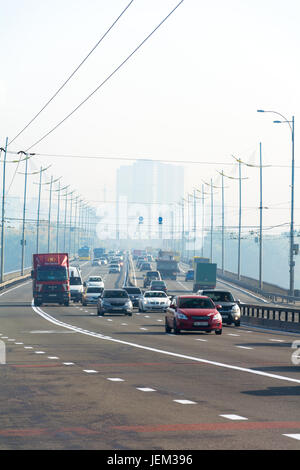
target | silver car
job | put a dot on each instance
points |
(114, 301)
(154, 300)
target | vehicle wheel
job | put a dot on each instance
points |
(84, 304)
(37, 303)
(237, 323)
(218, 332)
(66, 304)
(100, 314)
(129, 314)
(167, 328)
(176, 330)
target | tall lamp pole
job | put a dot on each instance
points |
(23, 241)
(3, 211)
(291, 254)
(39, 208)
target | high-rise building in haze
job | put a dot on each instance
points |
(145, 191)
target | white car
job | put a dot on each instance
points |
(114, 268)
(154, 300)
(95, 281)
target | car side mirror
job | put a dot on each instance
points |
(173, 306)
(218, 307)
(31, 274)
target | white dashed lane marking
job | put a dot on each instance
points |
(293, 436)
(145, 389)
(234, 417)
(185, 402)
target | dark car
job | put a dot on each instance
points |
(134, 293)
(194, 313)
(158, 285)
(151, 276)
(114, 301)
(229, 307)
(145, 266)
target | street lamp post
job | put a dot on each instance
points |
(3, 210)
(23, 241)
(291, 253)
(38, 208)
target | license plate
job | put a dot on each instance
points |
(52, 295)
(201, 323)
(117, 308)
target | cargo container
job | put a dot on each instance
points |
(50, 278)
(205, 276)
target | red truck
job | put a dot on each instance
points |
(50, 278)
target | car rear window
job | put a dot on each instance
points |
(155, 294)
(219, 296)
(115, 294)
(195, 303)
(132, 290)
(94, 290)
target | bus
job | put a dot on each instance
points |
(84, 253)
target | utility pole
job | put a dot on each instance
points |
(23, 241)
(49, 214)
(240, 220)
(223, 226)
(3, 210)
(260, 221)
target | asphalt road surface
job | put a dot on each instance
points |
(73, 380)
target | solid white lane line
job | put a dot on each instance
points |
(46, 316)
(244, 347)
(16, 287)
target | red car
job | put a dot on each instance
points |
(194, 313)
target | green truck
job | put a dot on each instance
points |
(205, 276)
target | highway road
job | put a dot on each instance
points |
(73, 380)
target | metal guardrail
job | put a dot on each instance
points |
(272, 296)
(282, 314)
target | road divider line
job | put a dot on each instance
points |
(48, 317)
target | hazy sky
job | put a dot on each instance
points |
(189, 94)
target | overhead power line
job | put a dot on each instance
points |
(142, 159)
(73, 73)
(107, 78)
